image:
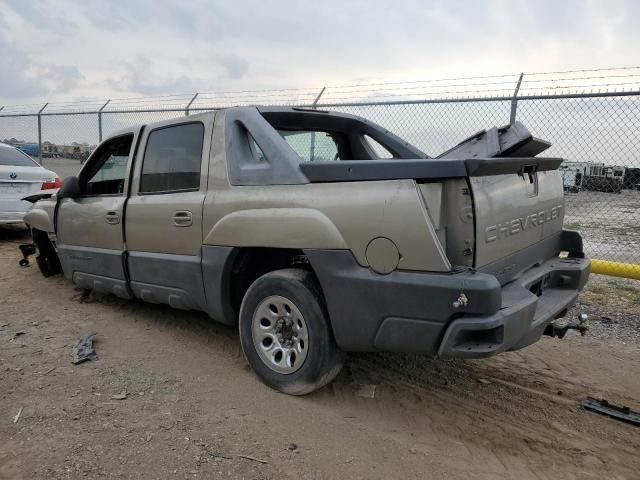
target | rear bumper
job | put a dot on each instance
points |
(11, 217)
(415, 312)
(529, 304)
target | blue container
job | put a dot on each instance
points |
(29, 148)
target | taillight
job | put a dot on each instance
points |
(57, 183)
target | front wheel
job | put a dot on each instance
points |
(285, 332)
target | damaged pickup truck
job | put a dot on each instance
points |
(320, 233)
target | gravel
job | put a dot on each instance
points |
(613, 307)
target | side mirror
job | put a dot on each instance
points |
(70, 188)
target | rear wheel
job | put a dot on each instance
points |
(285, 332)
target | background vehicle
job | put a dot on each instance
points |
(20, 176)
(30, 149)
(320, 233)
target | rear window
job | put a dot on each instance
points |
(15, 158)
(312, 146)
(172, 159)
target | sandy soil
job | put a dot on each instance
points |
(194, 409)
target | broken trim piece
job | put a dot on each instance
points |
(624, 414)
(83, 349)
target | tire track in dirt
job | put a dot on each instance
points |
(510, 418)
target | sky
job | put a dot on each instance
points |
(63, 50)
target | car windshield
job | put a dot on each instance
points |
(15, 158)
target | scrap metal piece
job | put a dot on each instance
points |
(624, 414)
(26, 249)
(509, 141)
(83, 349)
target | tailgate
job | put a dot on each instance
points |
(513, 211)
(505, 215)
(517, 202)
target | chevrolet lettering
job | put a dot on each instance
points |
(521, 224)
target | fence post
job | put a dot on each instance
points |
(186, 110)
(514, 101)
(312, 153)
(100, 120)
(40, 133)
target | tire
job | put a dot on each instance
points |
(47, 259)
(285, 311)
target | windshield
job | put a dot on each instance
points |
(15, 158)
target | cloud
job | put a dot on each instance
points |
(61, 78)
(64, 49)
(235, 66)
(144, 77)
(42, 14)
(23, 78)
(15, 80)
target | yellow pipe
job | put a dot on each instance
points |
(615, 269)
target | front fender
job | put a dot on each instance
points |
(277, 228)
(40, 216)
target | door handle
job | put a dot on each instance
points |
(112, 218)
(182, 218)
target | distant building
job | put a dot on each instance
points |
(76, 150)
(592, 176)
(51, 150)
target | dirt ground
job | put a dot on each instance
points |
(193, 409)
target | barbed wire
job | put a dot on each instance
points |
(479, 85)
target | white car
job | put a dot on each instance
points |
(20, 176)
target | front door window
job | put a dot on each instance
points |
(108, 172)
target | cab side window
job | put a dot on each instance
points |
(172, 159)
(108, 171)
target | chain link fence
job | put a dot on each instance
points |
(596, 132)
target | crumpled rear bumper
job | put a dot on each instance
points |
(529, 304)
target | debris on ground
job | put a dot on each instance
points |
(119, 396)
(605, 319)
(17, 417)
(26, 249)
(83, 349)
(249, 457)
(603, 407)
(84, 297)
(292, 447)
(2, 324)
(484, 381)
(366, 391)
